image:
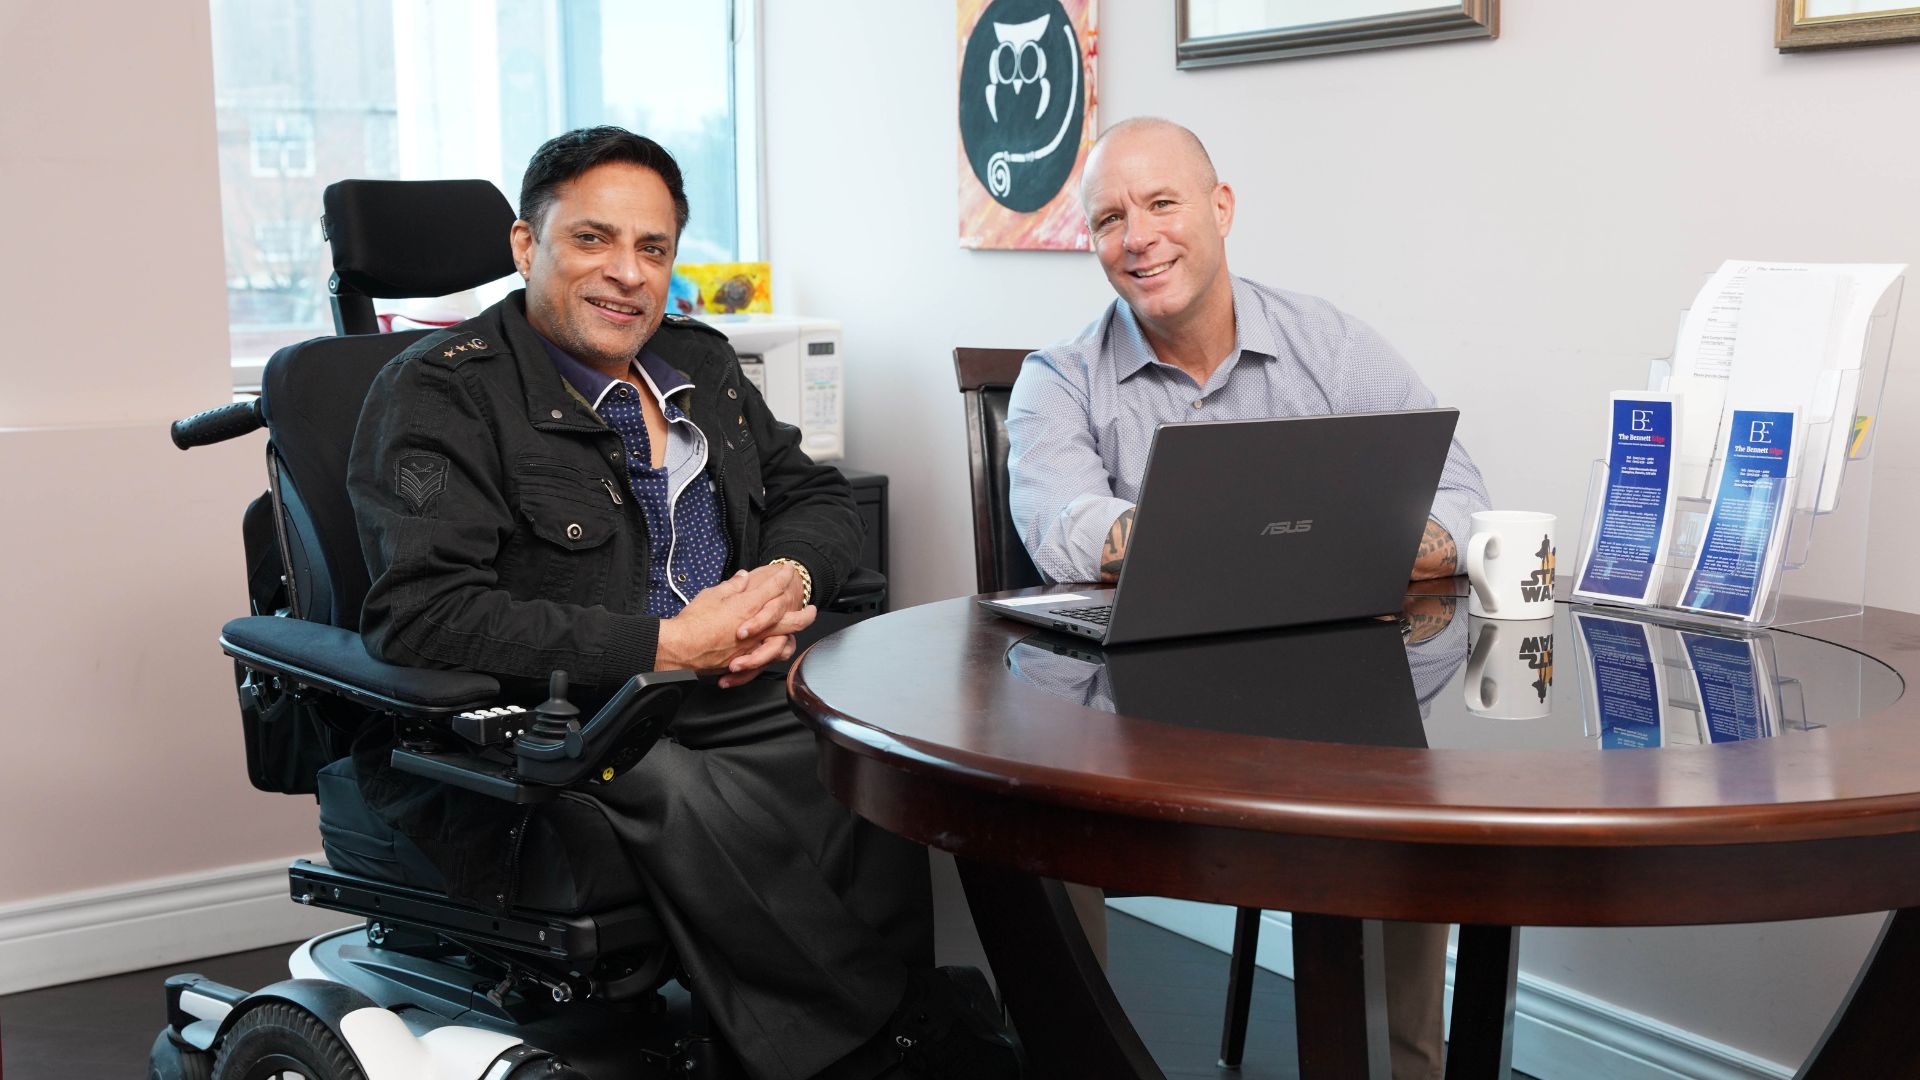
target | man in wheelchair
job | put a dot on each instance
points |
(575, 481)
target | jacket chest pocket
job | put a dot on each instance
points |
(570, 550)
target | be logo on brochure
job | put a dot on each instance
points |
(1643, 421)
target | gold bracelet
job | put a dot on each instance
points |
(806, 577)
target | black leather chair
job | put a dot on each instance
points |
(1000, 562)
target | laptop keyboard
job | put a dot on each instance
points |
(1093, 613)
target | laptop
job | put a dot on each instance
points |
(1260, 524)
(1344, 682)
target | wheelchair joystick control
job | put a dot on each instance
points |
(557, 721)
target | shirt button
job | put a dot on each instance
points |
(681, 578)
(1199, 402)
(574, 531)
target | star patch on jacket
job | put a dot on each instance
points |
(420, 478)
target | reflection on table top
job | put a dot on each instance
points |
(1451, 816)
(1600, 678)
(927, 691)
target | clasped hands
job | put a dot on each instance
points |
(736, 627)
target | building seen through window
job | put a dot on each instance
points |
(308, 92)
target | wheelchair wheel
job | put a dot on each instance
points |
(171, 1061)
(282, 1042)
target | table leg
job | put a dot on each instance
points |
(1485, 970)
(1339, 995)
(1246, 943)
(1064, 1008)
(1873, 1033)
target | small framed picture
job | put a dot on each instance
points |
(1833, 24)
(1210, 32)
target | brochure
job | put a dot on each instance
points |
(1625, 681)
(1624, 552)
(1741, 549)
(1728, 677)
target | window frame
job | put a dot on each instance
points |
(278, 142)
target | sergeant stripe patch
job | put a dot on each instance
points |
(419, 479)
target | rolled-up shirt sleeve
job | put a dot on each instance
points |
(1059, 490)
(1377, 379)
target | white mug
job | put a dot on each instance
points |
(1510, 671)
(1510, 564)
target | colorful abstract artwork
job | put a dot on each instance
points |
(720, 288)
(1027, 117)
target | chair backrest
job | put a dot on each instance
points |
(310, 395)
(396, 239)
(390, 239)
(986, 377)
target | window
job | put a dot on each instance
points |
(285, 243)
(308, 92)
(282, 145)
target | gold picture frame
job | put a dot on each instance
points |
(1207, 33)
(1803, 24)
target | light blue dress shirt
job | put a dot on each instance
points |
(1083, 413)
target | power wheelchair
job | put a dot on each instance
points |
(575, 980)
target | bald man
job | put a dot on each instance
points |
(1186, 340)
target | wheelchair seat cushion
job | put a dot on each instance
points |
(571, 863)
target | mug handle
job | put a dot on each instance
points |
(1477, 666)
(1477, 568)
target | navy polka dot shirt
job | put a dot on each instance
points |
(684, 532)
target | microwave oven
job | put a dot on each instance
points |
(795, 363)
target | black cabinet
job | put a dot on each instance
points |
(870, 494)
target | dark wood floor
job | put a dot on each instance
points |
(1172, 988)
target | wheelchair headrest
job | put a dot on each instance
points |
(409, 238)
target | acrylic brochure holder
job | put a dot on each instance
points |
(1818, 568)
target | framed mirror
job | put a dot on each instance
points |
(1211, 32)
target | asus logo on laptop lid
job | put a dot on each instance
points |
(1277, 528)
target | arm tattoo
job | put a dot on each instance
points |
(1428, 616)
(1114, 551)
(1438, 557)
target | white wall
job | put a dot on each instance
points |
(1525, 218)
(120, 556)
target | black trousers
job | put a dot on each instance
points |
(797, 921)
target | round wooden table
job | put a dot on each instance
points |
(927, 729)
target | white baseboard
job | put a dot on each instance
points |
(1559, 1034)
(84, 935)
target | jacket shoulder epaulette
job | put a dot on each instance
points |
(687, 322)
(451, 347)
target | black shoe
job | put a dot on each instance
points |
(949, 1027)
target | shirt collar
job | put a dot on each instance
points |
(1131, 350)
(593, 384)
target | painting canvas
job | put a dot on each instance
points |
(720, 288)
(1027, 117)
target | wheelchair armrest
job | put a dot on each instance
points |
(865, 590)
(556, 750)
(334, 660)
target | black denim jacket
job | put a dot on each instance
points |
(499, 536)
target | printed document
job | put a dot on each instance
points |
(1776, 332)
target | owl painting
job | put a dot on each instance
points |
(1027, 118)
